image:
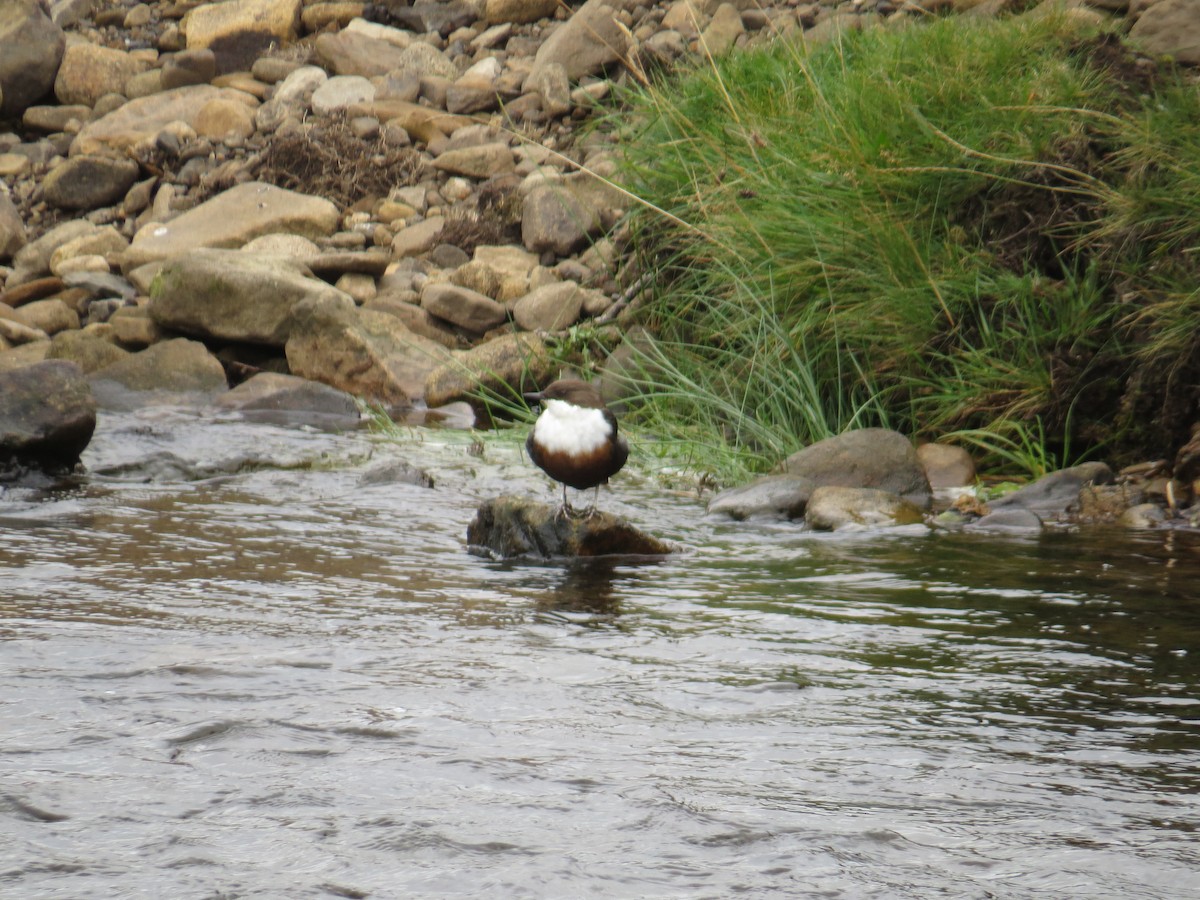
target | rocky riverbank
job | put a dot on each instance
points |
(382, 201)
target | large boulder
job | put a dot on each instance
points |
(177, 366)
(507, 527)
(239, 31)
(31, 47)
(769, 497)
(587, 43)
(234, 218)
(361, 351)
(236, 296)
(1170, 28)
(866, 458)
(506, 365)
(834, 508)
(89, 71)
(1053, 497)
(89, 182)
(140, 120)
(47, 415)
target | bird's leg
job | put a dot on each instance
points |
(564, 511)
(591, 510)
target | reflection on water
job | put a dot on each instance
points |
(229, 667)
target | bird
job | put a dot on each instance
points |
(575, 439)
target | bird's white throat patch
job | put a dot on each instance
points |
(565, 428)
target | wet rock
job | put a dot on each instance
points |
(591, 40)
(1144, 515)
(141, 120)
(1170, 28)
(236, 296)
(272, 392)
(866, 458)
(553, 307)
(31, 48)
(773, 496)
(946, 466)
(1055, 496)
(89, 71)
(510, 362)
(555, 219)
(188, 67)
(174, 366)
(507, 527)
(834, 508)
(1012, 519)
(87, 349)
(89, 182)
(48, 316)
(395, 471)
(360, 351)
(12, 229)
(239, 31)
(47, 415)
(462, 307)
(233, 218)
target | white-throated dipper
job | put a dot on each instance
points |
(575, 439)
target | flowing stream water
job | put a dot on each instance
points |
(231, 666)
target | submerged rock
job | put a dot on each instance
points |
(47, 415)
(505, 527)
(834, 508)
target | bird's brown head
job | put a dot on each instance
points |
(578, 393)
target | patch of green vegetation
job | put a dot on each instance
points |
(987, 229)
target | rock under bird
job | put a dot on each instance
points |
(575, 438)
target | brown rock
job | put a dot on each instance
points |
(89, 71)
(507, 527)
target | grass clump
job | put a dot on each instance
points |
(984, 228)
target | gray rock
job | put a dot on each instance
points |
(87, 349)
(440, 16)
(89, 71)
(463, 307)
(587, 43)
(1055, 496)
(395, 471)
(510, 362)
(238, 32)
(518, 12)
(1012, 519)
(363, 352)
(47, 415)
(477, 162)
(553, 86)
(416, 319)
(89, 182)
(33, 260)
(423, 61)
(49, 316)
(101, 284)
(354, 53)
(301, 401)
(188, 67)
(946, 466)
(236, 296)
(866, 458)
(1170, 28)
(31, 48)
(232, 219)
(832, 508)
(12, 229)
(553, 307)
(724, 29)
(177, 366)
(141, 120)
(507, 527)
(341, 91)
(772, 496)
(554, 218)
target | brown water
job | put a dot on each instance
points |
(228, 669)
